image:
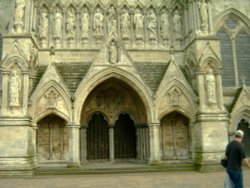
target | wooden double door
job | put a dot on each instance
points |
(104, 140)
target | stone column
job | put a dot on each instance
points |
(5, 90)
(83, 138)
(74, 154)
(111, 143)
(154, 143)
(233, 35)
(50, 29)
(78, 28)
(219, 91)
(25, 95)
(201, 89)
(210, 18)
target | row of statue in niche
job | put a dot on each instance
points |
(147, 25)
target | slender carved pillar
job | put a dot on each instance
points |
(154, 142)
(78, 28)
(5, 92)
(74, 159)
(25, 95)
(200, 79)
(219, 91)
(83, 143)
(111, 144)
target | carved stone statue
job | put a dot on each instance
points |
(14, 89)
(70, 23)
(19, 15)
(177, 24)
(85, 24)
(113, 53)
(211, 87)
(112, 20)
(125, 24)
(58, 24)
(98, 23)
(204, 16)
(139, 23)
(151, 24)
(164, 25)
(43, 25)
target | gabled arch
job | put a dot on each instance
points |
(37, 95)
(211, 62)
(16, 56)
(51, 112)
(11, 61)
(241, 113)
(190, 97)
(88, 85)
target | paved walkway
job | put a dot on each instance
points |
(133, 180)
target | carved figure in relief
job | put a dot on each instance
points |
(58, 23)
(14, 89)
(151, 24)
(164, 24)
(85, 24)
(125, 23)
(19, 11)
(70, 23)
(203, 15)
(112, 22)
(98, 23)
(175, 98)
(139, 23)
(211, 87)
(113, 53)
(51, 99)
(177, 24)
(43, 24)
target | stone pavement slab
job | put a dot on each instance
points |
(132, 180)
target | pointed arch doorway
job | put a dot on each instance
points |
(174, 137)
(114, 118)
(52, 139)
(244, 126)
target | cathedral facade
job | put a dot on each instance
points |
(155, 82)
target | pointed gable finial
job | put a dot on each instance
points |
(52, 54)
(243, 79)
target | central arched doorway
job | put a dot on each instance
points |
(125, 138)
(114, 124)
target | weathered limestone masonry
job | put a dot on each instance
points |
(155, 82)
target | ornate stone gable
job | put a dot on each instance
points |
(112, 55)
(175, 93)
(241, 101)
(50, 95)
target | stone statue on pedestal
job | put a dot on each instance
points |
(14, 89)
(19, 15)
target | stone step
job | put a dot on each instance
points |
(113, 169)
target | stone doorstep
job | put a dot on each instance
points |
(112, 168)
